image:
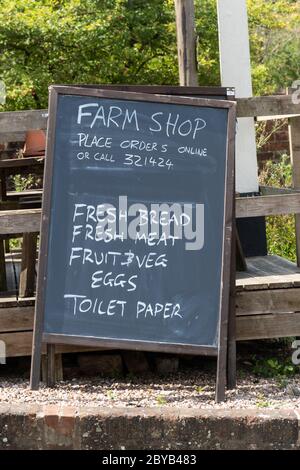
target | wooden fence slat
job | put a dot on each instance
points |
(16, 319)
(6, 137)
(20, 221)
(21, 162)
(20, 344)
(267, 205)
(280, 105)
(10, 302)
(28, 220)
(22, 121)
(278, 325)
(268, 301)
(18, 122)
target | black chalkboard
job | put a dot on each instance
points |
(137, 218)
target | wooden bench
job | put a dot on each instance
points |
(268, 299)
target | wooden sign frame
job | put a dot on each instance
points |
(210, 92)
(40, 337)
(237, 255)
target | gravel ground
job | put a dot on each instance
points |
(184, 389)
(192, 386)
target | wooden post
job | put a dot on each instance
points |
(27, 276)
(3, 197)
(50, 365)
(186, 42)
(3, 281)
(294, 137)
(3, 194)
(58, 366)
(6, 245)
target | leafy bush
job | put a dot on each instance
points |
(273, 368)
(132, 41)
(281, 237)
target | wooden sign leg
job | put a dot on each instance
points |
(36, 357)
(221, 375)
(226, 348)
(51, 365)
(231, 360)
(35, 373)
(237, 261)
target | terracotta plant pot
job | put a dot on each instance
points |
(35, 143)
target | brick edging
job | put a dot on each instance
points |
(59, 427)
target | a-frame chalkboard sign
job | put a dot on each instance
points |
(136, 224)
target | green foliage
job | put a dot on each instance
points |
(275, 43)
(262, 402)
(207, 42)
(15, 243)
(273, 368)
(281, 237)
(264, 133)
(110, 394)
(277, 174)
(83, 41)
(161, 400)
(22, 183)
(131, 41)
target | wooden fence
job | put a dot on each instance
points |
(13, 126)
(260, 310)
